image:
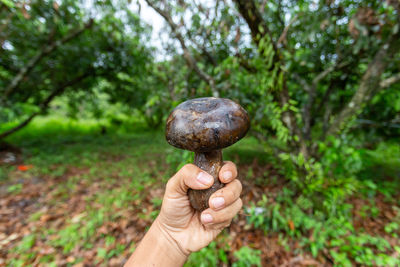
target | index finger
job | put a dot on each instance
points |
(189, 176)
(228, 172)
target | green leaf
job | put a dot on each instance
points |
(8, 3)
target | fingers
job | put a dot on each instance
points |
(225, 203)
(221, 218)
(189, 176)
(225, 196)
(228, 172)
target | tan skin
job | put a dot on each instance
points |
(180, 230)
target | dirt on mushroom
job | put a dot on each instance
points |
(205, 126)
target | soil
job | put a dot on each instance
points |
(39, 196)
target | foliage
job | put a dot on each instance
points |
(318, 78)
(133, 170)
(247, 257)
(214, 256)
(208, 256)
(298, 218)
(63, 49)
(302, 80)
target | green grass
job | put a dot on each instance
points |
(117, 169)
(119, 172)
(48, 141)
(381, 171)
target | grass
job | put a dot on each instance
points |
(94, 195)
(118, 172)
(54, 141)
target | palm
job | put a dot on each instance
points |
(184, 224)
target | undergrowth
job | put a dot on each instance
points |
(123, 162)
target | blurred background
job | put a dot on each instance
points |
(86, 86)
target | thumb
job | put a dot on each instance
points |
(189, 176)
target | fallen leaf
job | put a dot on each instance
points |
(24, 168)
(291, 225)
(78, 217)
(45, 218)
(8, 239)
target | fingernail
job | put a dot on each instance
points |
(227, 175)
(206, 218)
(205, 178)
(218, 202)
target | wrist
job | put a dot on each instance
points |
(157, 249)
(175, 248)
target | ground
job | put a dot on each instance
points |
(78, 199)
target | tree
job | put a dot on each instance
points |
(309, 72)
(50, 49)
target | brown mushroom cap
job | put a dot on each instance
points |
(206, 124)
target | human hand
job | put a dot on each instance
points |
(187, 228)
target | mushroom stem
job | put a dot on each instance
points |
(211, 162)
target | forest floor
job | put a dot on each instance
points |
(86, 200)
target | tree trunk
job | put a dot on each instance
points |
(369, 86)
(259, 28)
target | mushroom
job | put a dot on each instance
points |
(205, 126)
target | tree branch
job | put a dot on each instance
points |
(389, 81)
(186, 53)
(370, 84)
(262, 6)
(197, 44)
(282, 38)
(45, 104)
(278, 15)
(326, 72)
(257, 25)
(302, 82)
(42, 53)
(207, 54)
(312, 94)
(375, 124)
(259, 28)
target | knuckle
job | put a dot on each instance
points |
(187, 168)
(169, 185)
(187, 171)
(239, 185)
(228, 165)
(232, 166)
(240, 203)
(230, 194)
(228, 223)
(221, 217)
